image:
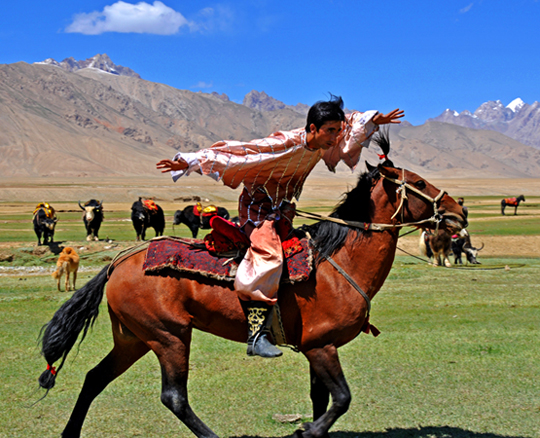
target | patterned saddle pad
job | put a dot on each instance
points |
(183, 256)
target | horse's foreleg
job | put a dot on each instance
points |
(174, 360)
(121, 357)
(320, 396)
(325, 364)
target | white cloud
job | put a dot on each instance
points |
(466, 8)
(211, 19)
(202, 84)
(156, 18)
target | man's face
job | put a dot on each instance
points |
(327, 135)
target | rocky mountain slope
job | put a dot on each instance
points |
(99, 62)
(517, 120)
(451, 151)
(263, 102)
(59, 123)
(90, 121)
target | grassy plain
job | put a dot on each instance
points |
(458, 356)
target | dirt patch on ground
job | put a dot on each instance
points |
(494, 246)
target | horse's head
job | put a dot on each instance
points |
(411, 199)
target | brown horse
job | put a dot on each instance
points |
(159, 312)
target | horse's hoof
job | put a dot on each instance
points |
(306, 431)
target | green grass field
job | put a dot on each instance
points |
(458, 356)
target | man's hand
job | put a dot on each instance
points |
(391, 117)
(169, 165)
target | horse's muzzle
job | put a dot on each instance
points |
(454, 221)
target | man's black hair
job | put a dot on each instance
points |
(325, 111)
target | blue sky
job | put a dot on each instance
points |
(422, 56)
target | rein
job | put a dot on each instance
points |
(367, 327)
(402, 192)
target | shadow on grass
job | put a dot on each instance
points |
(423, 432)
(420, 432)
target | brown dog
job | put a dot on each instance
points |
(67, 263)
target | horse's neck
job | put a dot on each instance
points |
(369, 258)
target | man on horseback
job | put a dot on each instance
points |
(273, 171)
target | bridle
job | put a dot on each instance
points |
(403, 186)
(402, 194)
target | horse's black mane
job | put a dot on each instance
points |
(356, 205)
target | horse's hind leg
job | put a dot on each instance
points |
(319, 394)
(325, 365)
(126, 351)
(174, 360)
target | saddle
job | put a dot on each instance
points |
(199, 210)
(511, 202)
(220, 253)
(49, 211)
(150, 205)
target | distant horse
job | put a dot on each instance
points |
(159, 312)
(512, 202)
(195, 217)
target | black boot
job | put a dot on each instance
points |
(259, 316)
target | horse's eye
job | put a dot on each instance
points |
(421, 185)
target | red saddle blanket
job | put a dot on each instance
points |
(512, 202)
(191, 255)
(150, 205)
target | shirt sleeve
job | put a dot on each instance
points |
(193, 161)
(359, 128)
(234, 162)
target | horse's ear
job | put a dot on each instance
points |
(369, 167)
(386, 170)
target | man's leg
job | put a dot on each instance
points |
(257, 282)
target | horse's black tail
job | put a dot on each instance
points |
(77, 314)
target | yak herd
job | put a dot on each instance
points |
(145, 214)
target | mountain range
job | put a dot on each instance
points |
(517, 120)
(95, 118)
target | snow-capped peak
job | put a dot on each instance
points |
(515, 105)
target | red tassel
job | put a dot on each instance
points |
(374, 330)
(51, 369)
(368, 328)
(382, 157)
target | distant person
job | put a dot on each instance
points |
(273, 171)
(461, 201)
